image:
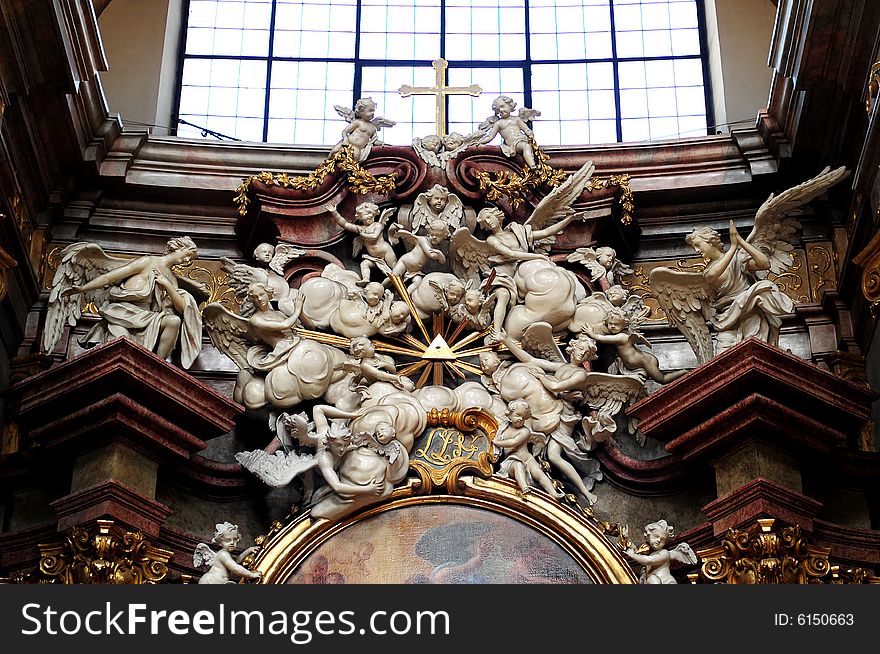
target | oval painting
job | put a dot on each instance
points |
(439, 544)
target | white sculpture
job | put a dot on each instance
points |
(514, 255)
(138, 298)
(475, 309)
(437, 204)
(275, 258)
(429, 149)
(362, 131)
(422, 250)
(732, 293)
(276, 367)
(592, 310)
(369, 226)
(223, 564)
(603, 264)
(366, 367)
(657, 560)
(515, 437)
(436, 292)
(515, 133)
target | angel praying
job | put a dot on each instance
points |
(140, 299)
(516, 135)
(369, 226)
(223, 563)
(658, 559)
(362, 132)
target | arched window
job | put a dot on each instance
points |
(599, 71)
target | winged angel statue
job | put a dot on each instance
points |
(732, 293)
(275, 258)
(362, 131)
(515, 258)
(140, 299)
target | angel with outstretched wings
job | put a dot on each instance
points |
(362, 131)
(508, 246)
(603, 264)
(275, 258)
(140, 298)
(516, 136)
(732, 293)
(369, 229)
(654, 555)
(223, 564)
(437, 204)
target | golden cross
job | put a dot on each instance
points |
(440, 91)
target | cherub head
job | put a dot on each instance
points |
(453, 141)
(455, 291)
(438, 231)
(490, 218)
(437, 197)
(616, 295)
(473, 301)
(365, 109)
(260, 295)
(518, 411)
(705, 240)
(264, 252)
(182, 250)
(615, 321)
(373, 293)
(605, 256)
(580, 349)
(362, 347)
(489, 362)
(226, 536)
(385, 433)
(398, 314)
(366, 212)
(657, 534)
(503, 106)
(432, 143)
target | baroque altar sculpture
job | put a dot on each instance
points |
(654, 555)
(362, 131)
(732, 294)
(223, 564)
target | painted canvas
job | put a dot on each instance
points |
(439, 544)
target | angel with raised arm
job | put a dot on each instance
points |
(223, 564)
(274, 258)
(276, 366)
(732, 292)
(514, 257)
(140, 299)
(369, 226)
(437, 204)
(657, 559)
(603, 264)
(367, 367)
(515, 134)
(422, 250)
(362, 131)
(631, 360)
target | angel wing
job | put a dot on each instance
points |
(774, 230)
(537, 340)
(428, 156)
(290, 427)
(527, 114)
(385, 216)
(80, 263)
(556, 205)
(229, 332)
(345, 112)
(241, 276)
(278, 469)
(608, 394)
(686, 299)
(203, 555)
(440, 294)
(683, 554)
(381, 122)
(587, 257)
(635, 311)
(470, 255)
(284, 254)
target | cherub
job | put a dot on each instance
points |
(362, 132)
(423, 249)
(397, 320)
(474, 309)
(603, 264)
(631, 360)
(222, 563)
(429, 148)
(455, 143)
(140, 299)
(515, 437)
(369, 226)
(275, 258)
(515, 133)
(437, 292)
(437, 204)
(658, 558)
(732, 292)
(367, 367)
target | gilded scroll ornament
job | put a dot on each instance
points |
(770, 553)
(7, 263)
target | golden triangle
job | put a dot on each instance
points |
(438, 350)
